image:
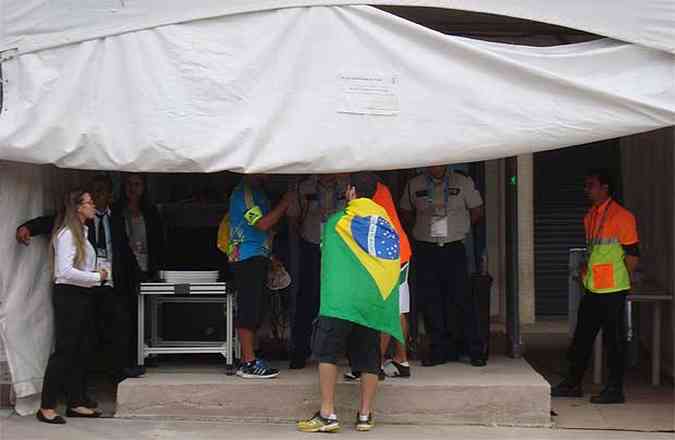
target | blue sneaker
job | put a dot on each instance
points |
(257, 369)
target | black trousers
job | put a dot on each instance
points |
(67, 365)
(307, 300)
(113, 328)
(253, 297)
(600, 311)
(444, 296)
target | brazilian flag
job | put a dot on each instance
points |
(360, 268)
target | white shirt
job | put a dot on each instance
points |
(65, 271)
(427, 196)
(314, 203)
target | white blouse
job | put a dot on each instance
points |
(64, 258)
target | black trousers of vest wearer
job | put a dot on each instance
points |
(307, 300)
(606, 311)
(112, 328)
(72, 349)
(444, 296)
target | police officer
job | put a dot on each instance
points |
(317, 198)
(613, 253)
(442, 205)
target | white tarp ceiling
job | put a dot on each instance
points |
(34, 24)
(317, 89)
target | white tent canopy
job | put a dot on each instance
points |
(317, 89)
(29, 25)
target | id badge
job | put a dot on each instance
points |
(104, 263)
(101, 254)
(142, 260)
(439, 227)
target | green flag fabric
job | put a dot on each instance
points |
(360, 268)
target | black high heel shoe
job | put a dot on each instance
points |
(72, 413)
(90, 403)
(56, 420)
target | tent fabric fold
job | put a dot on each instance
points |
(31, 25)
(320, 89)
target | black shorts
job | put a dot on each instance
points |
(250, 281)
(333, 337)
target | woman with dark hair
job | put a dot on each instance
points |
(75, 269)
(143, 225)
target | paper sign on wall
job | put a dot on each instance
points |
(369, 94)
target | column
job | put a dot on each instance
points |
(526, 238)
(495, 227)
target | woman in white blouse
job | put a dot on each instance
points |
(75, 273)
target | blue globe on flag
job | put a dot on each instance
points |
(376, 236)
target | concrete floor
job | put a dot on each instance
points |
(27, 428)
(647, 408)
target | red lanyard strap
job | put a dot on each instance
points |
(595, 231)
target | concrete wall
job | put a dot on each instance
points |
(648, 168)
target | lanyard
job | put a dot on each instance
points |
(102, 231)
(596, 229)
(446, 190)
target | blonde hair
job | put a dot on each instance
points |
(68, 218)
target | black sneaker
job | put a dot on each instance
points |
(609, 396)
(257, 369)
(356, 375)
(478, 362)
(134, 372)
(432, 362)
(394, 369)
(297, 364)
(567, 389)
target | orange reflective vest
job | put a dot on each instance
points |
(609, 226)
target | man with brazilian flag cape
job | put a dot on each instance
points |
(360, 270)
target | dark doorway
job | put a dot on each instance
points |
(559, 208)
